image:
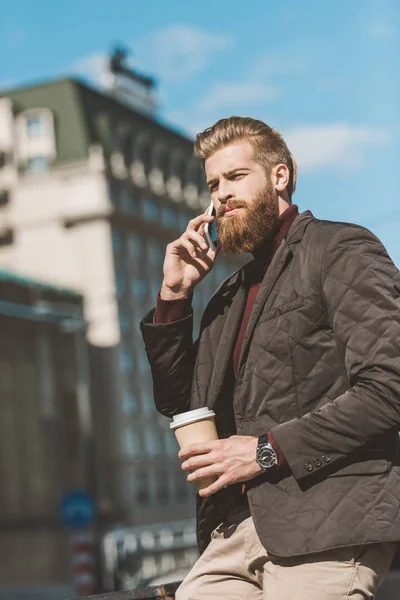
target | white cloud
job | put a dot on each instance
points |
(177, 52)
(174, 53)
(268, 65)
(224, 95)
(382, 29)
(336, 145)
(94, 67)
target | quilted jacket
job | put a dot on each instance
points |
(320, 368)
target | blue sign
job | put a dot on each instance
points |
(77, 509)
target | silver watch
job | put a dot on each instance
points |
(266, 456)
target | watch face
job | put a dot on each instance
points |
(266, 456)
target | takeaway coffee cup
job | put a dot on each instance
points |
(195, 427)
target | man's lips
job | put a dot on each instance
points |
(229, 212)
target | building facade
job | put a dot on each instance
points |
(46, 436)
(91, 193)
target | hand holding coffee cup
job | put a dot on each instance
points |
(196, 427)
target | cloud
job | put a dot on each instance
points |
(336, 145)
(174, 53)
(381, 29)
(268, 65)
(179, 51)
(94, 67)
(224, 95)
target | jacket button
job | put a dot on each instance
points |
(308, 466)
(326, 458)
(317, 462)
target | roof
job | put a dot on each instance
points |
(8, 276)
(84, 115)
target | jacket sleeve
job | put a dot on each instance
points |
(171, 354)
(361, 289)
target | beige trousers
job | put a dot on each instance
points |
(236, 566)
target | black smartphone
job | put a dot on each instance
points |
(210, 229)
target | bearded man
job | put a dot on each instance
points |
(298, 355)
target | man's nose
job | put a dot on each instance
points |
(225, 192)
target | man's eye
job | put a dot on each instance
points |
(238, 175)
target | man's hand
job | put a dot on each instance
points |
(232, 460)
(187, 260)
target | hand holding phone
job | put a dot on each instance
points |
(210, 229)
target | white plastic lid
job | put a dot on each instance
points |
(199, 414)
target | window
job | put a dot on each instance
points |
(184, 218)
(35, 127)
(162, 486)
(139, 288)
(155, 254)
(169, 217)
(116, 240)
(171, 444)
(147, 401)
(37, 164)
(150, 209)
(143, 492)
(129, 403)
(132, 443)
(128, 202)
(124, 322)
(153, 442)
(125, 361)
(120, 282)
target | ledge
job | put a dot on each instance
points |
(162, 592)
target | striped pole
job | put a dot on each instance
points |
(83, 557)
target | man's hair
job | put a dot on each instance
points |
(269, 146)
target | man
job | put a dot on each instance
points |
(298, 355)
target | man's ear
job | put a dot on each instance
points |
(280, 177)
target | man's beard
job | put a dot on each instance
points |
(257, 222)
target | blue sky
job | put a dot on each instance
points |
(326, 74)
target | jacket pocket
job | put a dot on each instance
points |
(366, 467)
(283, 308)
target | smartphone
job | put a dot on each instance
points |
(210, 229)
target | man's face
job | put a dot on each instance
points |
(243, 196)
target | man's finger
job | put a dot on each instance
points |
(214, 487)
(195, 449)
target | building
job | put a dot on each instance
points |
(46, 439)
(92, 190)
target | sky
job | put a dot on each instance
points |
(324, 73)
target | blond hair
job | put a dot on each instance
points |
(269, 146)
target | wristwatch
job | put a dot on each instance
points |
(266, 456)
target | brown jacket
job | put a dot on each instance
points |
(320, 368)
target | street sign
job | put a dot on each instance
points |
(77, 509)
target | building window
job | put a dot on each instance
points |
(132, 443)
(155, 254)
(147, 401)
(124, 322)
(129, 403)
(153, 442)
(120, 282)
(125, 361)
(150, 209)
(162, 486)
(139, 288)
(37, 164)
(171, 444)
(143, 495)
(35, 127)
(116, 241)
(169, 217)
